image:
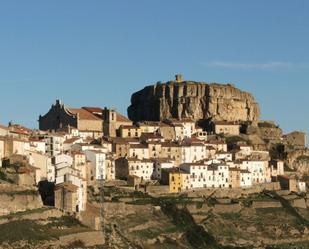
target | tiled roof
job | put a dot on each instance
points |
(71, 140)
(138, 146)
(121, 118)
(93, 109)
(83, 114)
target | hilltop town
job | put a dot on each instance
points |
(181, 140)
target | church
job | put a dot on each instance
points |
(86, 119)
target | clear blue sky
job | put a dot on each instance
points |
(97, 52)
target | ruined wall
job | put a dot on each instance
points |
(12, 202)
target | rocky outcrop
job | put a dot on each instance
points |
(195, 100)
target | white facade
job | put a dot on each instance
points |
(38, 146)
(54, 144)
(245, 179)
(193, 152)
(207, 176)
(21, 147)
(141, 168)
(98, 161)
(260, 171)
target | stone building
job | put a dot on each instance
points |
(112, 122)
(86, 119)
(66, 197)
(60, 116)
(224, 127)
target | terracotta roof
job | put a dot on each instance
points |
(138, 146)
(135, 159)
(175, 170)
(83, 114)
(170, 144)
(129, 127)
(149, 123)
(162, 160)
(93, 109)
(71, 140)
(20, 129)
(121, 118)
(151, 135)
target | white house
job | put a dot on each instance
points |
(54, 144)
(245, 178)
(142, 168)
(97, 159)
(259, 169)
(37, 145)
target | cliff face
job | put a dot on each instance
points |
(196, 100)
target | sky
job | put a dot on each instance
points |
(97, 53)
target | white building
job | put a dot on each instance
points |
(37, 145)
(259, 169)
(245, 179)
(98, 161)
(193, 152)
(142, 168)
(54, 144)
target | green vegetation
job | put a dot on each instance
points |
(64, 221)
(31, 231)
(23, 230)
(288, 208)
(22, 213)
(182, 219)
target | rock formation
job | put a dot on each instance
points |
(195, 100)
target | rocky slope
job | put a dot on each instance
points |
(196, 100)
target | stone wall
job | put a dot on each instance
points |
(234, 192)
(266, 204)
(90, 125)
(11, 203)
(88, 238)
